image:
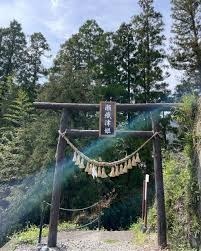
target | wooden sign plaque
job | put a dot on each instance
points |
(107, 119)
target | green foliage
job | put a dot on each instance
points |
(110, 241)
(124, 52)
(18, 115)
(19, 112)
(141, 238)
(186, 48)
(34, 69)
(63, 226)
(11, 155)
(182, 199)
(152, 218)
(13, 45)
(180, 180)
(30, 234)
(185, 117)
(183, 223)
(177, 197)
(7, 93)
(21, 60)
(148, 31)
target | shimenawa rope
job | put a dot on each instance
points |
(76, 209)
(85, 225)
(101, 163)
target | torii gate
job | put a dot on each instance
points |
(155, 108)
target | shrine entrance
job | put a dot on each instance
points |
(107, 128)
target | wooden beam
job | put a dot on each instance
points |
(95, 107)
(58, 176)
(95, 133)
(159, 186)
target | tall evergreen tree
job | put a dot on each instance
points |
(19, 112)
(89, 39)
(8, 91)
(186, 49)
(81, 49)
(33, 66)
(148, 26)
(105, 66)
(13, 155)
(110, 86)
(12, 48)
(125, 59)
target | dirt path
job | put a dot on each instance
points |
(92, 241)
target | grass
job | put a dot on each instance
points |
(66, 226)
(141, 238)
(149, 239)
(111, 241)
(30, 234)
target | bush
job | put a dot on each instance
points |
(183, 224)
(30, 234)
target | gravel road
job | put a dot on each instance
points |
(92, 241)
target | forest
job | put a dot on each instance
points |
(129, 65)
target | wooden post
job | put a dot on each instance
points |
(99, 222)
(159, 186)
(143, 200)
(41, 222)
(58, 175)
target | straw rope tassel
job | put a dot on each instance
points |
(112, 174)
(99, 172)
(129, 166)
(90, 169)
(104, 175)
(125, 169)
(77, 162)
(94, 172)
(134, 161)
(81, 166)
(137, 159)
(117, 171)
(87, 167)
(121, 168)
(74, 157)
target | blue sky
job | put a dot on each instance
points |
(59, 19)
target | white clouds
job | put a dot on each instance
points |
(54, 3)
(59, 19)
(62, 17)
(29, 15)
(17, 10)
(57, 27)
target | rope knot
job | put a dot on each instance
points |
(62, 134)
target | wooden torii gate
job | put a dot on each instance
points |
(155, 108)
